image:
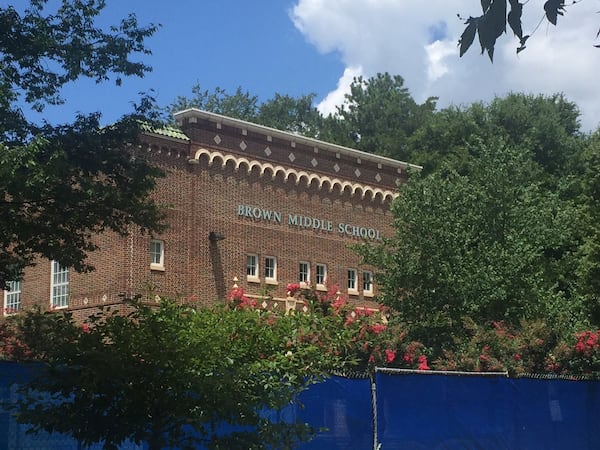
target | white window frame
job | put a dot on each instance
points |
(352, 281)
(59, 286)
(367, 282)
(12, 298)
(157, 254)
(321, 277)
(270, 269)
(252, 268)
(304, 273)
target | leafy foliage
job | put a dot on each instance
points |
(240, 105)
(170, 375)
(491, 24)
(547, 126)
(283, 112)
(378, 116)
(61, 184)
(489, 244)
(69, 41)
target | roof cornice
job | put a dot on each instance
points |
(288, 136)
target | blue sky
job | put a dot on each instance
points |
(298, 47)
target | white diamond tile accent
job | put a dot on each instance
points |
(336, 167)
(292, 157)
(305, 308)
(314, 162)
(243, 146)
(357, 173)
(378, 178)
(264, 304)
(268, 151)
(217, 139)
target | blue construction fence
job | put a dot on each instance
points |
(408, 410)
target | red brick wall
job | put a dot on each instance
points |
(204, 196)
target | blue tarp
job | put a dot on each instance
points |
(413, 411)
(442, 411)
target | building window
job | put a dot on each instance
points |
(157, 255)
(270, 269)
(321, 276)
(352, 280)
(60, 285)
(12, 297)
(304, 272)
(252, 267)
(367, 283)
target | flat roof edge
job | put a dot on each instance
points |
(218, 118)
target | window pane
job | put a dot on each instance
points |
(321, 274)
(270, 267)
(156, 253)
(12, 297)
(60, 285)
(251, 266)
(304, 272)
(352, 279)
(367, 281)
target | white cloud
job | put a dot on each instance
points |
(397, 36)
(437, 52)
(335, 98)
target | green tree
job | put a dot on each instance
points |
(296, 115)
(282, 112)
(496, 14)
(547, 126)
(172, 375)
(61, 184)
(240, 105)
(378, 116)
(589, 262)
(491, 244)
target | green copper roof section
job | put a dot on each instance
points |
(164, 130)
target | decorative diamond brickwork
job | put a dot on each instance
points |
(336, 167)
(243, 146)
(217, 139)
(314, 162)
(292, 157)
(268, 151)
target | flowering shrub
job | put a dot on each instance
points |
(581, 355)
(11, 345)
(499, 347)
(360, 335)
(238, 299)
(361, 338)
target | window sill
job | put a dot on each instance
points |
(352, 292)
(321, 287)
(271, 281)
(157, 267)
(250, 279)
(368, 294)
(56, 308)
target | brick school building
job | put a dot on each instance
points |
(246, 205)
